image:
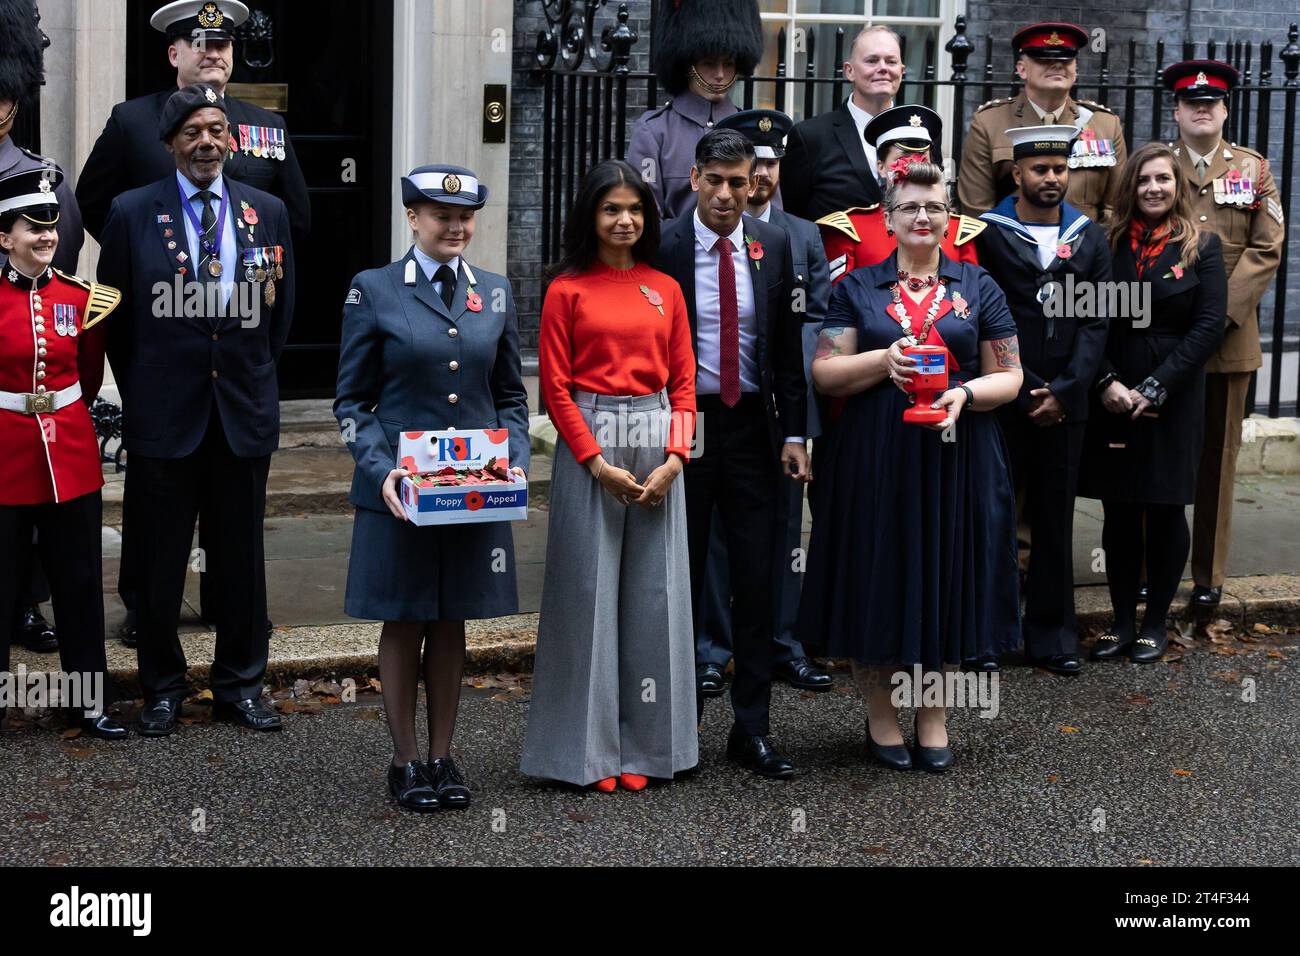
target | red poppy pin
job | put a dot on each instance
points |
(250, 214)
(474, 301)
(1063, 251)
(960, 306)
(1175, 273)
(653, 297)
(755, 250)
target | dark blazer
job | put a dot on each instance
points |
(1061, 352)
(780, 351)
(825, 168)
(396, 367)
(812, 274)
(171, 367)
(128, 154)
(1155, 458)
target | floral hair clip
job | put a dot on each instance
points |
(900, 166)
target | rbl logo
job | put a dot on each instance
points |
(456, 449)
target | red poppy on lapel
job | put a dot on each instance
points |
(474, 301)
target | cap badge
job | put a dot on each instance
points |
(44, 186)
(451, 183)
(210, 17)
(1201, 79)
(914, 120)
(765, 125)
(1054, 40)
(210, 95)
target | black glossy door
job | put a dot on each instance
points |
(335, 59)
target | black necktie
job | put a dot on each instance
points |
(448, 280)
(208, 238)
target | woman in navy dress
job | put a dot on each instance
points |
(913, 552)
(429, 343)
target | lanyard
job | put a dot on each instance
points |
(213, 248)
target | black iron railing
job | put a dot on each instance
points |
(587, 84)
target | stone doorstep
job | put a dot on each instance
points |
(1269, 446)
(507, 644)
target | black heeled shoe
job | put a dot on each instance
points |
(412, 787)
(894, 756)
(1110, 646)
(1206, 596)
(930, 759)
(1148, 650)
(448, 784)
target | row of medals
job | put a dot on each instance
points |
(253, 274)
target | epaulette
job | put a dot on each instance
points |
(1246, 149)
(967, 229)
(841, 222)
(103, 299)
(1096, 107)
(984, 106)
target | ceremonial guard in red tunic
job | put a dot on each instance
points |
(51, 366)
(859, 237)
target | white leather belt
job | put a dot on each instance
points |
(46, 403)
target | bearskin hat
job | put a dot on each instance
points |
(688, 31)
(22, 47)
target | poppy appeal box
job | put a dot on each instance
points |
(460, 477)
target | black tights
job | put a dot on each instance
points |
(1166, 547)
(399, 672)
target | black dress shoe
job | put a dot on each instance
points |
(412, 787)
(930, 759)
(1148, 650)
(758, 754)
(982, 665)
(1068, 665)
(1110, 646)
(158, 719)
(448, 784)
(1206, 597)
(709, 679)
(104, 727)
(801, 673)
(249, 713)
(895, 756)
(1143, 591)
(127, 632)
(35, 633)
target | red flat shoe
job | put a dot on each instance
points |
(607, 785)
(632, 781)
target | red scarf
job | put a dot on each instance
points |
(1146, 250)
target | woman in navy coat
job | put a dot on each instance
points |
(913, 552)
(428, 344)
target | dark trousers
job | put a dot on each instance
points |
(128, 571)
(33, 587)
(69, 544)
(163, 498)
(713, 635)
(738, 474)
(1045, 467)
(1134, 532)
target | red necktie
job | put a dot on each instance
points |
(728, 326)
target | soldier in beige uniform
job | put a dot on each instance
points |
(1046, 56)
(1233, 194)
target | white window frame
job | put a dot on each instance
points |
(949, 10)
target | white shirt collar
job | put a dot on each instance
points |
(860, 116)
(765, 215)
(1208, 157)
(708, 238)
(430, 265)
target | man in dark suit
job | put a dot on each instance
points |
(1037, 248)
(201, 262)
(737, 278)
(127, 154)
(829, 165)
(767, 130)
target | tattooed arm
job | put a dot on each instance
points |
(838, 367)
(1000, 373)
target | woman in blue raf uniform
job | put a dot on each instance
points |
(1143, 442)
(429, 343)
(913, 552)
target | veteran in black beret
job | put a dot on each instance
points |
(767, 130)
(429, 343)
(200, 35)
(200, 399)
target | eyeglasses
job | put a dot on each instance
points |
(909, 210)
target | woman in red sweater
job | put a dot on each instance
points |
(613, 683)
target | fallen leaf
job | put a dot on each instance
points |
(1219, 632)
(216, 759)
(203, 695)
(1052, 778)
(332, 699)
(57, 859)
(1067, 729)
(1182, 773)
(1276, 654)
(366, 713)
(875, 849)
(1147, 862)
(70, 734)
(117, 786)
(327, 687)
(577, 817)
(31, 817)
(301, 688)
(377, 687)
(1139, 699)
(1232, 677)
(1262, 628)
